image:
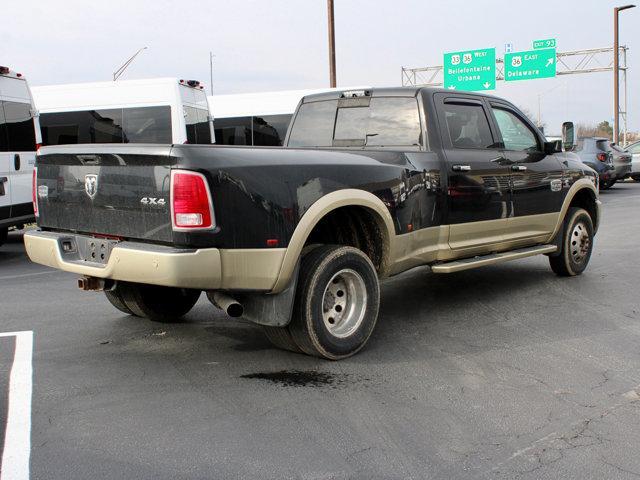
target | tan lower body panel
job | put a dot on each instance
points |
(474, 234)
(205, 268)
(531, 226)
(433, 244)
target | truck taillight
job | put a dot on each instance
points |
(602, 157)
(34, 191)
(191, 206)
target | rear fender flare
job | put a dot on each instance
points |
(323, 206)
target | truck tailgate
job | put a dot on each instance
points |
(123, 193)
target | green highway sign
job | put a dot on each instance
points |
(548, 43)
(470, 70)
(530, 65)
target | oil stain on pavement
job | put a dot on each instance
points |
(300, 378)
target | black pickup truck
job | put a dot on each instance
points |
(296, 239)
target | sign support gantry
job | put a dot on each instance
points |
(575, 62)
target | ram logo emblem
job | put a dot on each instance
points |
(91, 185)
(556, 185)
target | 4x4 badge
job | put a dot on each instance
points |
(91, 185)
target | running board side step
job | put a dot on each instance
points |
(481, 261)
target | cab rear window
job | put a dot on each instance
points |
(359, 122)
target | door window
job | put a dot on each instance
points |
(20, 131)
(516, 135)
(467, 126)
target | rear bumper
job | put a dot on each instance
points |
(623, 171)
(203, 269)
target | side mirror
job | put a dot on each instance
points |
(568, 136)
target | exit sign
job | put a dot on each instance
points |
(548, 43)
(530, 65)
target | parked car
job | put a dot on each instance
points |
(634, 150)
(296, 239)
(621, 161)
(19, 139)
(610, 161)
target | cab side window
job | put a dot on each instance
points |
(516, 135)
(467, 126)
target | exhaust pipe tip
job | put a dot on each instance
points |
(235, 310)
(228, 304)
(95, 284)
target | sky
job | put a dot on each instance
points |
(267, 45)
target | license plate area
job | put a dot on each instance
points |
(81, 249)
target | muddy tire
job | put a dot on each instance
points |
(281, 338)
(336, 304)
(576, 246)
(160, 304)
(115, 298)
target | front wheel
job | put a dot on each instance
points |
(161, 304)
(336, 304)
(4, 234)
(577, 244)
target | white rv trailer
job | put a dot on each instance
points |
(157, 110)
(19, 139)
(259, 119)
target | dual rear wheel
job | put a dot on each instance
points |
(161, 304)
(336, 304)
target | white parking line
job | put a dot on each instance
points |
(17, 438)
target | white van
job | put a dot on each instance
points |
(158, 110)
(259, 119)
(19, 140)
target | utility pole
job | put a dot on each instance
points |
(616, 73)
(124, 66)
(332, 45)
(211, 55)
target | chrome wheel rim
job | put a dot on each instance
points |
(579, 242)
(344, 303)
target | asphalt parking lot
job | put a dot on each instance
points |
(500, 372)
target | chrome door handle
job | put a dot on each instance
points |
(499, 159)
(519, 168)
(461, 168)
